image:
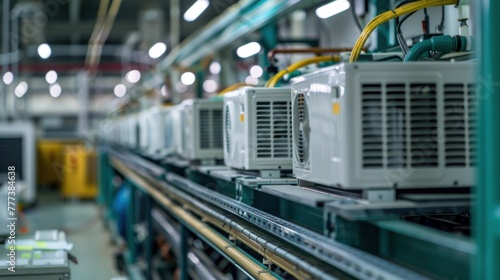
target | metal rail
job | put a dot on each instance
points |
(352, 261)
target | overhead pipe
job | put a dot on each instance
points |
(443, 44)
(272, 53)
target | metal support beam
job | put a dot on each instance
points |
(487, 214)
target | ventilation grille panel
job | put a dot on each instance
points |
(372, 125)
(228, 128)
(210, 129)
(454, 125)
(423, 116)
(11, 154)
(301, 129)
(396, 125)
(472, 113)
(273, 129)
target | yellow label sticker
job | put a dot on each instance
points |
(336, 108)
(242, 117)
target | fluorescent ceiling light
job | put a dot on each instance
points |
(21, 89)
(214, 68)
(157, 50)
(256, 71)
(251, 81)
(133, 76)
(332, 8)
(195, 11)
(51, 77)
(44, 51)
(248, 49)
(8, 78)
(120, 90)
(55, 90)
(210, 85)
(188, 78)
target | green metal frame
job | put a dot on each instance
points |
(487, 211)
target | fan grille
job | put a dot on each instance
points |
(301, 129)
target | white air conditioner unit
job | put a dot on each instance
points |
(160, 139)
(144, 132)
(17, 148)
(386, 125)
(201, 127)
(258, 129)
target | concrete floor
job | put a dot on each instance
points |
(84, 228)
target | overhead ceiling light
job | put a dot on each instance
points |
(251, 81)
(256, 71)
(195, 11)
(157, 50)
(214, 68)
(8, 78)
(55, 90)
(164, 90)
(188, 78)
(44, 51)
(51, 77)
(120, 90)
(133, 76)
(248, 49)
(21, 89)
(332, 8)
(210, 85)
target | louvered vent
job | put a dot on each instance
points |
(372, 125)
(204, 129)
(301, 129)
(396, 125)
(211, 129)
(91, 169)
(228, 128)
(454, 125)
(273, 120)
(11, 154)
(217, 136)
(423, 116)
(472, 112)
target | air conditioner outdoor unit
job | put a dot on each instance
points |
(17, 148)
(144, 132)
(160, 139)
(258, 129)
(386, 125)
(201, 129)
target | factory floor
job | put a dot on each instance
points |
(84, 228)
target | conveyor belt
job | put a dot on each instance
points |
(355, 262)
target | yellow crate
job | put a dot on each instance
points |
(80, 173)
(50, 161)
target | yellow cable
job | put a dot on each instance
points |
(274, 80)
(233, 87)
(101, 15)
(391, 14)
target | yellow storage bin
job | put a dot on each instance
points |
(80, 173)
(50, 161)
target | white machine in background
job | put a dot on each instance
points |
(258, 129)
(144, 131)
(133, 140)
(17, 148)
(201, 126)
(386, 125)
(160, 140)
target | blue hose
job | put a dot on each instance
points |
(443, 44)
